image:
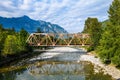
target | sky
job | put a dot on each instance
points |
(69, 14)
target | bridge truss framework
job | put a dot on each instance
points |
(61, 39)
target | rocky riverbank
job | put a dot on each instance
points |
(109, 69)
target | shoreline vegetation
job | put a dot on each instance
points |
(108, 69)
(13, 45)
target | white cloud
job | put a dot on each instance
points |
(7, 4)
(26, 5)
(69, 14)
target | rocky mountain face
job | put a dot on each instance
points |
(31, 25)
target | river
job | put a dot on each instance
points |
(60, 63)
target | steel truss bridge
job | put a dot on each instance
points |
(55, 39)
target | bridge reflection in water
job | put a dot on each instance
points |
(54, 70)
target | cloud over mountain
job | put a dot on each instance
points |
(70, 14)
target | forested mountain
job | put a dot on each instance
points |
(31, 25)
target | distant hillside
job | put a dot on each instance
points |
(31, 25)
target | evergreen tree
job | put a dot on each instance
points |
(114, 12)
(38, 30)
(1, 28)
(13, 29)
(106, 43)
(22, 37)
(110, 41)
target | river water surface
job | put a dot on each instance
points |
(60, 63)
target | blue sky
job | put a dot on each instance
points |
(70, 14)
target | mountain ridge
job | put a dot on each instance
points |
(31, 25)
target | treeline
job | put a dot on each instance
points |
(105, 37)
(12, 43)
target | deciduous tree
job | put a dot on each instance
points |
(93, 27)
(10, 46)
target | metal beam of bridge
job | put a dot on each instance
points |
(55, 39)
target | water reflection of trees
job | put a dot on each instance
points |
(92, 75)
(11, 75)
